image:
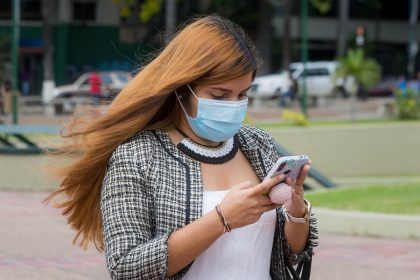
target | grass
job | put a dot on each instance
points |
(397, 199)
(333, 123)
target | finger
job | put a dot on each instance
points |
(264, 200)
(265, 186)
(243, 185)
(297, 190)
(267, 208)
(302, 174)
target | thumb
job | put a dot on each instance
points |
(243, 185)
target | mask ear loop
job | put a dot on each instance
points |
(179, 100)
(192, 91)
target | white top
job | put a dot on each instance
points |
(244, 253)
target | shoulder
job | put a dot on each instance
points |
(139, 148)
(256, 136)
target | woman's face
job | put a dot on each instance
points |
(233, 90)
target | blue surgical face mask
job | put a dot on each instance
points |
(216, 120)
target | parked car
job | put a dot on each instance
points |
(321, 81)
(270, 86)
(385, 88)
(111, 84)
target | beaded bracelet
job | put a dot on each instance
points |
(226, 227)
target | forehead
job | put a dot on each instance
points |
(239, 83)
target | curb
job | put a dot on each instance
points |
(368, 224)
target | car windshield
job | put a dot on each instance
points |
(317, 72)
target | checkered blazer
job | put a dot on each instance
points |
(151, 189)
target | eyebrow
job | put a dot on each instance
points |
(228, 90)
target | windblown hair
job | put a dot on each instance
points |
(206, 51)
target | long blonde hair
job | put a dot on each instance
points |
(207, 50)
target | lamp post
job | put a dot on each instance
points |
(304, 52)
(15, 58)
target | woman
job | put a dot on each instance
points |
(168, 182)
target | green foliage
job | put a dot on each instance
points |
(366, 71)
(401, 198)
(408, 103)
(148, 9)
(125, 7)
(295, 118)
(323, 6)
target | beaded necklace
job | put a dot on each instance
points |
(208, 154)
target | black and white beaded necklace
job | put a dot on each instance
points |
(207, 154)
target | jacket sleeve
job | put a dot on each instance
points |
(132, 251)
(312, 241)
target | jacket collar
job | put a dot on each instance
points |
(254, 155)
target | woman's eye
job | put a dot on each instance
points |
(243, 96)
(218, 97)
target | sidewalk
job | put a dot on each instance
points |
(338, 109)
(36, 244)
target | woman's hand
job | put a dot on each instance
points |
(296, 205)
(244, 204)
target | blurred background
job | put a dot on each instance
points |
(340, 82)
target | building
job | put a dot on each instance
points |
(86, 35)
(386, 31)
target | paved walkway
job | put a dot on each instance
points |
(35, 243)
(338, 109)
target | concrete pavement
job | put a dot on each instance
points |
(337, 109)
(35, 243)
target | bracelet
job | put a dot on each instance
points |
(226, 227)
(306, 217)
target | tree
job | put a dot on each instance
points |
(366, 72)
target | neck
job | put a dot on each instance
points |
(185, 128)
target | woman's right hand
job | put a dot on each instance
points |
(245, 203)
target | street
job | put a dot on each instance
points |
(36, 243)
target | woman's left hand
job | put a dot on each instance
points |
(296, 205)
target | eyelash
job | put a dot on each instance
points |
(220, 97)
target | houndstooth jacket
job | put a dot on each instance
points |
(151, 189)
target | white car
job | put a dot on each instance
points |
(270, 86)
(320, 79)
(111, 84)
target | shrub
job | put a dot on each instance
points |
(408, 103)
(295, 117)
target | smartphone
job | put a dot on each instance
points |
(289, 166)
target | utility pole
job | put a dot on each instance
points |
(15, 58)
(304, 52)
